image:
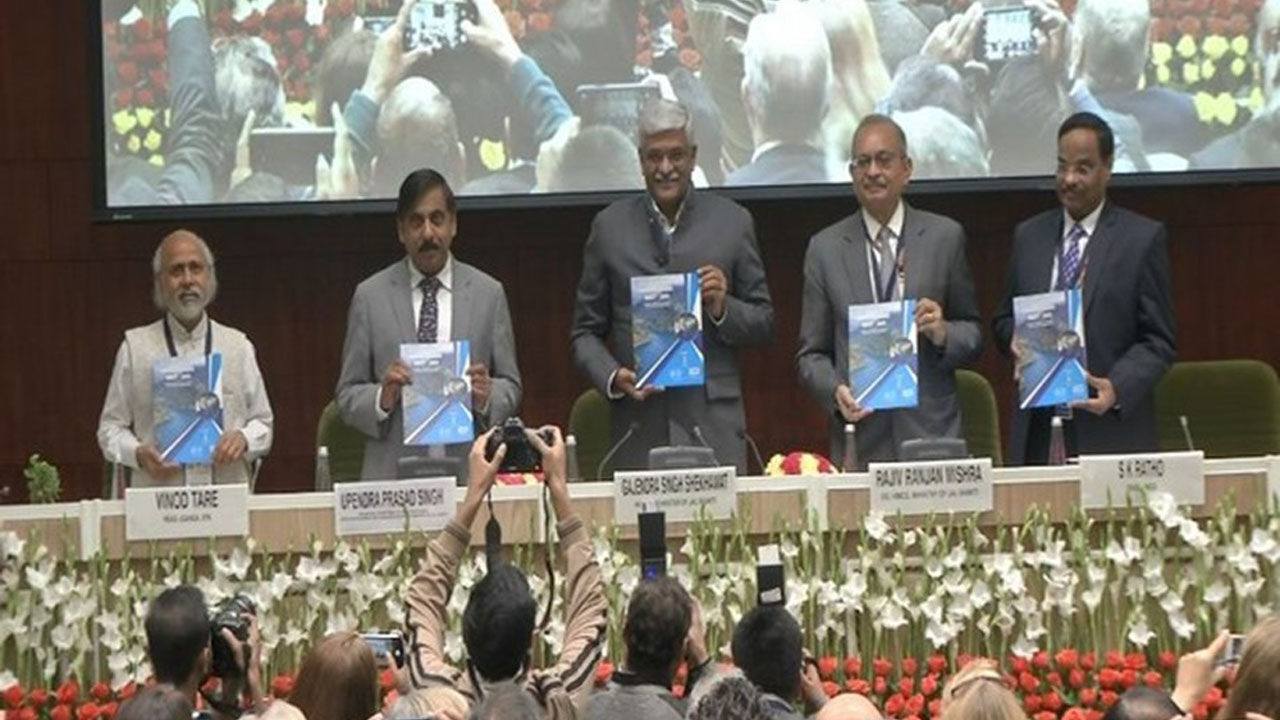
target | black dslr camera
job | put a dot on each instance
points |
(521, 457)
(230, 615)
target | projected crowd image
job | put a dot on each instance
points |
(268, 101)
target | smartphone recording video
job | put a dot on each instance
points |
(1007, 33)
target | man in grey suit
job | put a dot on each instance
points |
(429, 296)
(1121, 262)
(669, 229)
(887, 251)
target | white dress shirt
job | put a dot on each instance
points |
(444, 311)
(1089, 224)
(891, 245)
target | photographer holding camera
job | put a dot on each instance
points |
(186, 645)
(500, 617)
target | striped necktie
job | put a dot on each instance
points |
(1069, 266)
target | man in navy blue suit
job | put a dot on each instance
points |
(1121, 262)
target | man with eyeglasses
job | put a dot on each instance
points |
(671, 229)
(1120, 261)
(887, 251)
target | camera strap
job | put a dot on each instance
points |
(546, 553)
(492, 536)
(224, 708)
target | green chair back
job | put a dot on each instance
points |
(979, 416)
(345, 443)
(589, 422)
(1232, 408)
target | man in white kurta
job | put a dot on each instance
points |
(185, 284)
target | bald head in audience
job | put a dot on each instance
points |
(848, 706)
(417, 128)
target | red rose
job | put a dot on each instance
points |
(880, 686)
(88, 711)
(13, 697)
(907, 685)
(127, 691)
(915, 704)
(929, 685)
(1135, 661)
(61, 712)
(38, 697)
(881, 667)
(100, 692)
(1031, 703)
(1075, 678)
(1088, 661)
(1075, 713)
(301, 62)
(935, 708)
(1153, 679)
(692, 59)
(295, 37)
(1128, 678)
(1054, 679)
(852, 666)
(1108, 678)
(1028, 682)
(894, 705)
(604, 672)
(1109, 698)
(145, 97)
(127, 71)
(1045, 715)
(142, 29)
(1051, 701)
(110, 709)
(1040, 660)
(910, 666)
(827, 667)
(26, 713)
(282, 685)
(937, 664)
(1019, 665)
(962, 660)
(1088, 696)
(858, 685)
(830, 688)
(1067, 659)
(1115, 660)
(69, 692)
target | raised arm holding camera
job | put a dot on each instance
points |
(500, 617)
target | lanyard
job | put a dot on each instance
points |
(173, 349)
(884, 294)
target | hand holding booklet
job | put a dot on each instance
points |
(666, 330)
(437, 404)
(187, 398)
(883, 371)
(1048, 344)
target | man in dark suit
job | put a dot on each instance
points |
(671, 229)
(1121, 261)
(428, 296)
(887, 251)
(786, 70)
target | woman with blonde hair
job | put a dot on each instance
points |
(437, 702)
(978, 692)
(338, 680)
(859, 78)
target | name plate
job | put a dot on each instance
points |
(1111, 480)
(178, 513)
(365, 508)
(681, 494)
(936, 486)
(1273, 477)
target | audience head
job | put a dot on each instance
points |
(922, 81)
(246, 79)
(667, 153)
(730, 698)
(1112, 37)
(767, 646)
(338, 680)
(157, 702)
(786, 72)
(259, 187)
(1256, 688)
(1027, 104)
(978, 692)
(341, 71)
(705, 130)
(281, 710)
(941, 145)
(497, 625)
(426, 219)
(186, 281)
(177, 627)
(1143, 703)
(416, 128)
(848, 706)
(1267, 47)
(427, 702)
(858, 72)
(599, 157)
(981, 671)
(658, 618)
(879, 165)
(507, 701)
(1085, 150)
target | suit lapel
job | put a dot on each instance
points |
(914, 254)
(402, 303)
(460, 314)
(855, 261)
(1095, 255)
(1045, 249)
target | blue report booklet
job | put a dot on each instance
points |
(186, 394)
(666, 330)
(437, 404)
(883, 373)
(1048, 332)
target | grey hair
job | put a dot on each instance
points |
(786, 64)
(713, 677)
(1116, 38)
(944, 147)
(658, 115)
(157, 266)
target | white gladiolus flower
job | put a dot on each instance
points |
(1139, 633)
(1013, 584)
(7, 680)
(1217, 592)
(877, 528)
(38, 577)
(1264, 545)
(956, 558)
(11, 547)
(981, 594)
(311, 571)
(1164, 508)
(1024, 647)
(1191, 534)
(1181, 626)
(1126, 554)
(940, 634)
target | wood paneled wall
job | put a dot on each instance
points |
(68, 288)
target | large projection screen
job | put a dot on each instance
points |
(244, 107)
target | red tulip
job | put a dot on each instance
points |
(910, 666)
(852, 666)
(1019, 665)
(858, 685)
(1076, 678)
(1168, 661)
(100, 692)
(935, 708)
(1040, 660)
(880, 685)
(1031, 703)
(61, 712)
(1115, 660)
(1067, 659)
(1135, 661)
(830, 688)
(127, 691)
(1109, 679)
(1075, 713)
(38, 697)
(929, 685)
(937, 664)
(915, 704)
(1051, 701)
(1054, 679)
(906, 685)
(88, 711)
(1088, 661)
(604, 672)
(1045, 715)
(1128, 678)
(110, 709)
(1028, 682)
(26, 713)
(827, 667)
(282, 685)
(69, 692)
(881, 667)
(1153, 679)
(13, 697)
(1109, 698)
(894, 705)
(1088, 696)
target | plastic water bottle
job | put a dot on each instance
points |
(850, 449)
(323, 480)
(571, 457)
(1057, 443)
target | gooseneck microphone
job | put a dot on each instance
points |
(697, 435)
(1186, 431)
(635, 425)
(755, 450)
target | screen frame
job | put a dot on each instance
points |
(100, 213)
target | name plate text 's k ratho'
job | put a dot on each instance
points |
(1113, 480)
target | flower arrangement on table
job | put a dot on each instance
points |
(1079, 610)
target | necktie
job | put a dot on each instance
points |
(428, 317)
(1069, 267)
(886, 267)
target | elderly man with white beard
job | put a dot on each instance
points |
(185, 284)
